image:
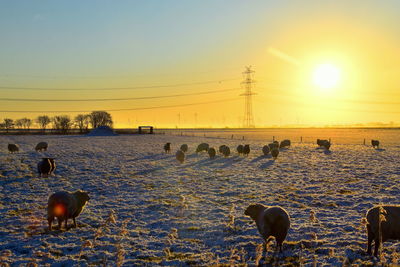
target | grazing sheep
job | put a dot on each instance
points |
(270, 221)
(65, 205)
(12, 148)
(212, 152)
(46, 167)
(42, 146)
(221, 149)
(180, 156)
(167, 148)
(321, 142)
(284, 143)
(202, 147)
(326, 144)
(275, 153)
(273, 145)
(265, 150)
(184, 148)
(239, 149)
(226, 151)
(375, 143)
(246, 150)
(390, 229)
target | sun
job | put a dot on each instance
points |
(326, 76)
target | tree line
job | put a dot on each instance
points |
(61, 123)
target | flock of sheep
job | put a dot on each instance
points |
(61, 205)
(272, 148)
(275, 221)
(383, 222)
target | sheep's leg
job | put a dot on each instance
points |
(370, 239)
(50, 221)
(74, 222)
(59, 222)
(377, 245)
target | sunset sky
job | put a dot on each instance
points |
(132, 49)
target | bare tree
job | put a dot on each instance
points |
(100, 118)
(43, 121)
(82, 122)
(8, 124)
(62, 123)
(19, 123)
(26, 123)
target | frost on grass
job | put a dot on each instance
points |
(148, 209)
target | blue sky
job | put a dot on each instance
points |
(92, 44)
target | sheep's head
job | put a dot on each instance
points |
(253, 210)
(82, 196)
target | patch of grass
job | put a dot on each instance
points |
(345, 192)
(154, 259)
(194, 228)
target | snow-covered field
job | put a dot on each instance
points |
(147, 209)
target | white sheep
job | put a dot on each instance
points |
(12, 148)
(42, 146)
(389, 228)
(180, 156)
(270, 221)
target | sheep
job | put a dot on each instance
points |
(326, 144)
(265, 150)
(184, 148)
(65, 205)
(226, 151)
(275, 153)
(42, 146)
(285, 143)
(246, 150)
(273, 145)
(270, 221)
(46, 167)
(375, 143)
(202, 147)
(167, 148)
(12, 148)
(180, 156)
(321, 142)
(221, 149)
(390, 227)
(239, 149)
(211, 152)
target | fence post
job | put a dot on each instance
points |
(273, 138)
(301, 139)
(364, 141)
(243, 137)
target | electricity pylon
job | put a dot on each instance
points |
(248, 121)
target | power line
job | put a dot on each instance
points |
(279, 92)
(323, 107)
(115, 88)
(122, 109)
(114, 99)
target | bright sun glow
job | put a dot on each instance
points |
(326, 76)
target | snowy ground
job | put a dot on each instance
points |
(168, 213)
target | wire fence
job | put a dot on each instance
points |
(352, 136)
(356, 136)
